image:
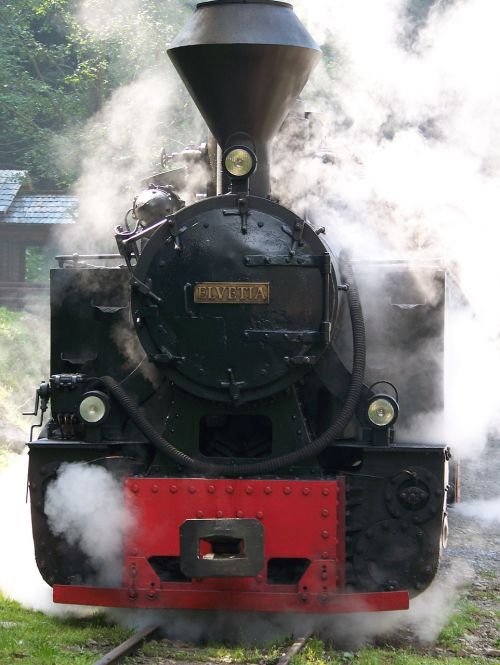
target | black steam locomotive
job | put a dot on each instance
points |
(256, 437)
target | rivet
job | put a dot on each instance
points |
(199, 514)
(325, 535)
(324, 555)
(249, 490)
(229, 489)
(219, 513)
(152, 594)
(173, 489)
(324, 575)
(155, 489)
(306, 491)
(287, 490)
(135, 488)
(134, 551)
(239, 513)
(132, 595)
(260, 515)
(268, 490)
(326, 491)
(323, 598)
(211, 489)
(192, 490)
(325, 512)
(259, 578)
(299, 432)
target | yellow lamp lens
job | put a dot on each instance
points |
(239, 162)
(92, 409)
(381, 412)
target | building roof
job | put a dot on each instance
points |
(10, 184)
(42, 209)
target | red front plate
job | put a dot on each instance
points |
(301, 519)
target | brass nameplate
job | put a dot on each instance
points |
(232, 293)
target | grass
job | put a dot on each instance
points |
(317, 653)
(37, 639)
(33, 638)
(467, 618)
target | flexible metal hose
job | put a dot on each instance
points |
(274, 464)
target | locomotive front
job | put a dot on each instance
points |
(261, 471)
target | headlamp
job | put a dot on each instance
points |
(239, 162)
(383, 410)
(94, 407)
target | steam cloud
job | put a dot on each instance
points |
(411, 116)
(85, 504)
(19, 576)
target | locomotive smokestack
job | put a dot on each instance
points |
(245, 63)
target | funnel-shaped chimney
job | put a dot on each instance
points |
(245, 63)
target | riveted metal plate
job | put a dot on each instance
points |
(232, 293)
(304, 261)
(283, 335)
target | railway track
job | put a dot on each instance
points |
(130, 646)
(134, 643)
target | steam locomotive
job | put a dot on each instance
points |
(256, 438)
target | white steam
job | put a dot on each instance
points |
(485, 510)
(411, 114)
(19, 576)
(85, 505)
(121, 144)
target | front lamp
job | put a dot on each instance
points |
(94, 407)
(239, 162)
(383, 411)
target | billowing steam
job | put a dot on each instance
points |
(19, 576)
(85, 505)
(409, 113)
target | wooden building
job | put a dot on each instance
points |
(28, 220)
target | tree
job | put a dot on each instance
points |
(55, 74)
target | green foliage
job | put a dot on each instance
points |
(24, 341)
(37, 265)
(56, 72)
